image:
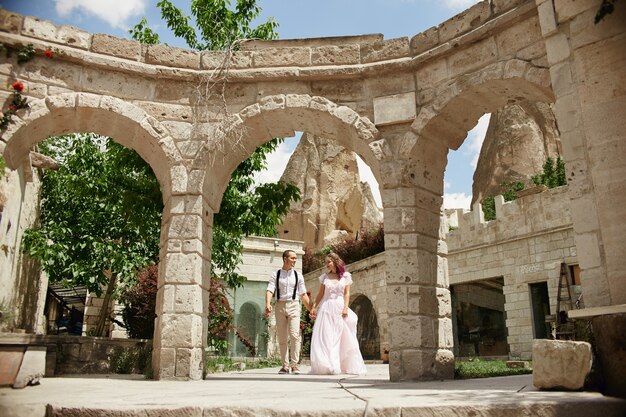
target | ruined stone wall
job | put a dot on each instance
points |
(525, 244)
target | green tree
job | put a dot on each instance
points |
(100, 215)
(553, 174)
(219, 27)
(509, 193)
(245, 210)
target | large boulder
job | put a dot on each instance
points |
(334, 200)
(519, 139)
(560, 364)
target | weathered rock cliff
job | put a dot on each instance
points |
(334, 200)
(519, 139)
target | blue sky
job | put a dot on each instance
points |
(297, 19)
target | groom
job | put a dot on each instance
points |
(288, 286)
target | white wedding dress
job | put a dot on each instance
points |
(334, 346)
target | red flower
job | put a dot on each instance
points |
(48, 52)
(18, 86)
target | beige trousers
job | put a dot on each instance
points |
(288, 331)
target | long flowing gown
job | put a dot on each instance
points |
(334, 346)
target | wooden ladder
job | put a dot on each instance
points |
(564, 303)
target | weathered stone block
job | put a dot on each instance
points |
(10, 22)
(464, 21)
(33, 367)
(424, 41)
(48, 31)
(172, 57)
(335, 55)
(183, 268)
(518, 36)
(218, 59)
(547, 18)
(475, 56)
(567, 9)
(188, 299)
(282, 57)
(501, 6)
(388, 49)
(397, 108)
(557, 48)
(110, 45)
(560, 364)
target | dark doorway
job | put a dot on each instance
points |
(367, 328)
(479, 318)
(540, 305)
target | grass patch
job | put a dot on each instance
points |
(477, 368)
(226, 364)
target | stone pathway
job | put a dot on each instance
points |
(262, 392)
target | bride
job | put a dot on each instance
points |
(334, 346)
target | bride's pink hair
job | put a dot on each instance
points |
(340, 265)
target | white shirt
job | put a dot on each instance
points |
(286, 284)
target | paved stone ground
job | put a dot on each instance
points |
(265, 393)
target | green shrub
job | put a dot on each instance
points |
(131, 360)
(140, 304)
(351, 249)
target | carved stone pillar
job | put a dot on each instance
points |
(419, 307)
(180, 336)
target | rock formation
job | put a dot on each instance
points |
(519, 139)
(334, 201)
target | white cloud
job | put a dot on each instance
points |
(460, 4)
(475, 138)
(115, 12)
(366, 175)
(456, 200)
(276, 163)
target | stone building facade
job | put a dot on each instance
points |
(400, 104)
(524, 246)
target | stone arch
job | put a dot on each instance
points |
(368, 333)
(459, 104)
(280, 116)
(249, 322)
(65, 113)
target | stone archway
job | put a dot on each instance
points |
(127, 124)
(132, 127)
(461, 103)
(367, 330)
(249, 326)
(280, 116)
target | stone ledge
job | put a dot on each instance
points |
(596, 311)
